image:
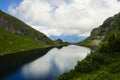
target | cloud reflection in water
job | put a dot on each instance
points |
(55, 62)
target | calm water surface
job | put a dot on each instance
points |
(51, 65)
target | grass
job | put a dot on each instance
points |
(16, 26)
(10, 43)
(109, 69)
(16, 36)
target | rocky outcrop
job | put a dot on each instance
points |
(109, 26)
(14, 25)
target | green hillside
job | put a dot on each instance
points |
(14, 25)
(16, 36)
(111, 25)
(104, 62)
(10, 43)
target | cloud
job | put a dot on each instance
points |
(11, 8)
(57, 17)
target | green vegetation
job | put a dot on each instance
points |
(14, 25)
(111, 25)
(93, 40)
(10, 43)
(20, 44)
(104, 62)
(16, 36)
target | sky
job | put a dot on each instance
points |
(62, 17)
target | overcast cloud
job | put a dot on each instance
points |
(56, 17)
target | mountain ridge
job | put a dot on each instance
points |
(16, 36)
(16, 26)
(110, 25)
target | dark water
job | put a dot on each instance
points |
(51, 65)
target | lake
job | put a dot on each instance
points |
(51, 65)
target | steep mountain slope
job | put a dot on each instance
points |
(104, 62)
(14, 25)
(16, 36)
(111, 25)
(10, 43)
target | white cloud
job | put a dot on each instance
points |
(11, 8)
(56, 17)
(48, 31)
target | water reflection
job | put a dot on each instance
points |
(54, 63)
